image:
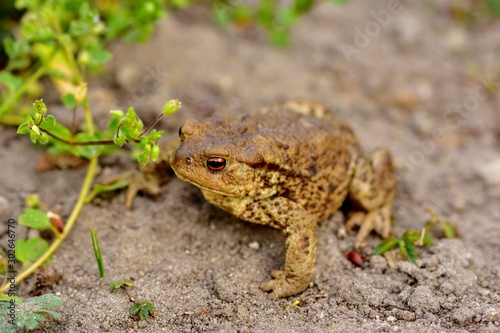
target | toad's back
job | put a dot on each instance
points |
(317, 155)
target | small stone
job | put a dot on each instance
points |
(406, 100)
(254, 245)
(491, 315)
(484, 292)
(424, 299)
(460, 204)
(225, 289)
(447, 288)
(105, 326)
(378, 263)
(404, 315)
(490, 172)
(462, 315)
(391, 319)
(456, 38)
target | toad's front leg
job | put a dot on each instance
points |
(300, 231)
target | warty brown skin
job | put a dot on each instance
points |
(284, 168)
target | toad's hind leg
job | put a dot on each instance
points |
(371, 195)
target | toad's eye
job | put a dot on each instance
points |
(180, 132)
(216, 163)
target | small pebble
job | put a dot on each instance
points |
(254, 245)
(391, 319)
(490, 172)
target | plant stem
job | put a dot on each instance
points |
(88, 116)
(71, 221)
(157, 119)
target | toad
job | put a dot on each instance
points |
(288, 167)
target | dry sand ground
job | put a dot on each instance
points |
(410, 84)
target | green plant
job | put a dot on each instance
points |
(410, 239)
(29, 250)
(123, 128)
(277, 17)
(295, 303)
(120, 284)
(16, 314)
(97, 251)
(142, 310)
(64, 40)
(472, 11)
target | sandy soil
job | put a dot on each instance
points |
(411, 84)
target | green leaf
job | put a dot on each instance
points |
(408, 250)
(128, 133)
(493, 7)
(48, 122)
(97, 251)
(5, 325)
(69, 100)
(61, 132)
(43, 138)
(6, 298)
(155, 152)
(280, 37)
(449, 229)
(286, 18)
(57, 74)
(40, 34)
(29, 250)
(402, 249)
(119, 284)
(16, 47)
(34, 218)
(33, 136)
(10, 80)
(143, 309)
(143, 158)
(98, 55)
(23, 128)
(117, 113)
(119, 141)
(414, 235)
(411, 251)
(155, 135)
(86, 151)
(35, 309)
(385, 245)
(303, 6)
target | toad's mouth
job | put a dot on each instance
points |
(196, 183)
